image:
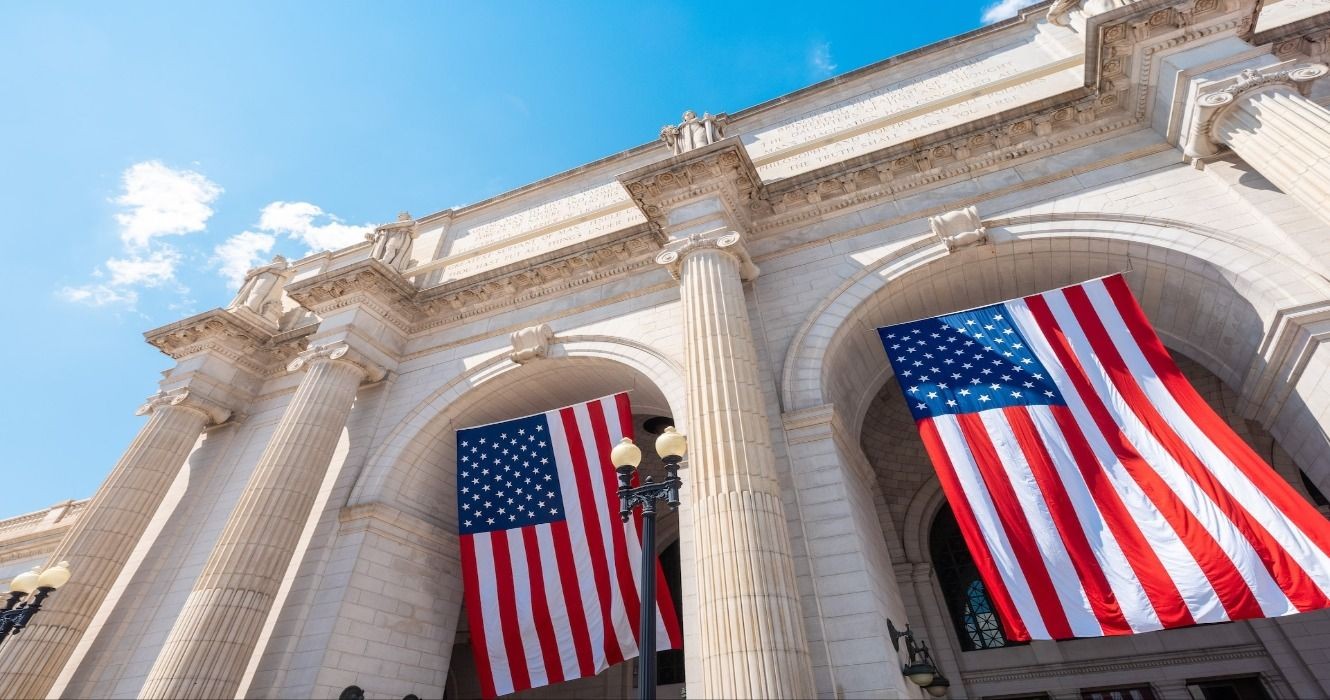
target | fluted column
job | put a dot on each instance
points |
(101, 540)
(749, 617)
(1266, 119)
(211, 642)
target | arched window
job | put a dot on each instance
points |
(972, 612)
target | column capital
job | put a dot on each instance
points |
(728, 241)
(1219, 98)
(215, 412)
(339, 351)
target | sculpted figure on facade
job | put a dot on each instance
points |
(692, 132)
(959, 228)
(531, 343)
(261, 293)
(392, 242)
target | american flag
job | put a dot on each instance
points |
(549, 568)
(1097, 491)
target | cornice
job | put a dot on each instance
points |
(529, 280)
(722, 168)
(248, 345)
(368, 283)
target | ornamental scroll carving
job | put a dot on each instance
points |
(729, 241)
(531, 343)
(1222, 97)
(959, 229)
(339, 351)
(693, 133)
(215, 412)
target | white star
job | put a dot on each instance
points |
(994, 387)
(983, 397)
(951, 402)
(489, 521)
(1016, 394)
(467, 523)
(964, 392)
(1049, 394)
(914, 389)
(932, 394)
(920, 406)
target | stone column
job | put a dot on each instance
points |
(1264, 116)
(210, 645)
(101, 540)
(749, 617)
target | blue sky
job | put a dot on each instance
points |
(150, 152)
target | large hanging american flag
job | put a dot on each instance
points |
(550, 570)
(1097, 491)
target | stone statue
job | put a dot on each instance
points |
(693, 132)
(392, 242)
(959, 228)
(261, 293)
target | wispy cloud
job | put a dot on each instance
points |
(156, 200)
(1003, 9)
(311, 225)
(240, 253)
(820, 63)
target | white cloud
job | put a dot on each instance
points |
(153, 270)
(819, 60)
(240, 253)
(308, 223)
(161, 201)
(1005, 8)
(98, 295)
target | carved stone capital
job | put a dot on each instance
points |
(728, 241)
(250, 346)
(215, 412)
(339, 352)
(722, 169)
(370, 283)
(531, 343)
(1220, 98)
(959, 228)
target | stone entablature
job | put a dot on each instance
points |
(37, 533)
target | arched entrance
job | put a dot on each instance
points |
(401, 520)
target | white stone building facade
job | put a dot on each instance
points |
(284, 524)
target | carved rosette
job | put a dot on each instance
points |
(728, 241)
(338, 352)
(184, 398)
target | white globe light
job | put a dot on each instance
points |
(55, 576)
(25, 582)
(626, 454)
(671, 443)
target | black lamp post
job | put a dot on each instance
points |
(18, 611)
(920, 668)
(671, 446)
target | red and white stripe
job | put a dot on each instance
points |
(1134, 507)
(564, 600)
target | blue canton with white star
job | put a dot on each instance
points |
(966, 362)
(507, 476)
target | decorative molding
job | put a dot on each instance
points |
(339, 351)
(729, 241)
(528, 280)
(369, 283)
(531, 343)
(722, 168)
(249, 346)
(1219, 98)
(215, 412)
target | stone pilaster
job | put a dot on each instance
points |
(210, 645)
(102, 539)
(1264, 116)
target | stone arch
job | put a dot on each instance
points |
(403, 471)
(1196, 283)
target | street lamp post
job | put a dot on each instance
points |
(17, 611)
(671, 446)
